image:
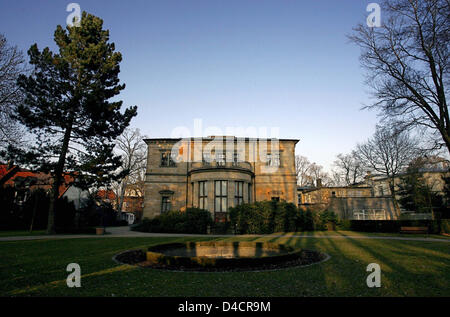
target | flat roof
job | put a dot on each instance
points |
(213, 137)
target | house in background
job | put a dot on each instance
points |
(348, 202)
(25, 182)
(132, 206)
(433, 178)
(107, 196)
(372, 199)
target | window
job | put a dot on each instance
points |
(238, 193)
(220, 199)
(235, 159)
(206, 158)
(202, 195)
(220, 159)
(165, 204)
(380, 189)
(166, 160)
(276, 198)
(249, 193)
(273, 159)
(192, 196)
(333, 194)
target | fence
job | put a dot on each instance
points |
(369, 214)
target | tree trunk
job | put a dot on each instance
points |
(122, 194)
(394, 199)
(58, 176)
(35, 204)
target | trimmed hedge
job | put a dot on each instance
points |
(393, 226)
(194, 220)
(267, 217)
(263, 217)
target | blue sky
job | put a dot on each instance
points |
(258, 63)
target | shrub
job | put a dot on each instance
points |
(14, 216)
(194, 220)
(445, 226)
(344, 224)
(309, 221)
(197, 220)
(264, 217)
(325, 219)
(222, 228)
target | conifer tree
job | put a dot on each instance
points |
(68, 108)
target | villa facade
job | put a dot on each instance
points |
(216, 173)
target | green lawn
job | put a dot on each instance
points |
(21, 233)
(409, 268)
(360, 234)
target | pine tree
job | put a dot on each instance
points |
(416, 195)
(68, 108)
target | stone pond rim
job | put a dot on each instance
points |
(220, 256)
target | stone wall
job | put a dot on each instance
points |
(344, 207)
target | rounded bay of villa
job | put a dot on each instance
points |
(216, 173)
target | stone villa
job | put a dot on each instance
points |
(216, 173)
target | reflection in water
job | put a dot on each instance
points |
(224, 251)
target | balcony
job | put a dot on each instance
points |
(240, 166)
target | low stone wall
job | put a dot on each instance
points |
(344, 207)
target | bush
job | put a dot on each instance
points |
(344, 224)
(14, 216)
(121, 223)
(264, 217)
(392, 226)
(194, 220)
(326, 219)
(222, 228)
(445, 226)
(309, 221)
(197, 220)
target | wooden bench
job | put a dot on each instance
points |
(413, 229)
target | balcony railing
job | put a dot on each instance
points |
(215, 164)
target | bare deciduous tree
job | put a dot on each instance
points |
(349, 169)
(388, 152)
(407, 63)
(11, 66)
(308, 173)
(134, 155)
(302, 168)
(317, 172)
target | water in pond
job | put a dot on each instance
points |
(227, 251)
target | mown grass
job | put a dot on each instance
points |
(346, 233)
(409, 268)
(21, 233)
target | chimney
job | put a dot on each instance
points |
(319, 183)
(10, 165)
